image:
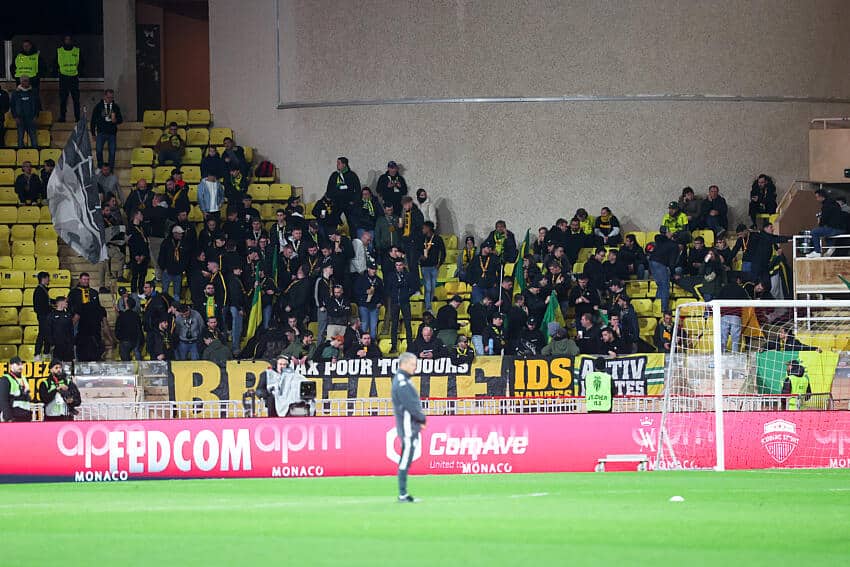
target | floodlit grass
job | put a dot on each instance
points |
(733, 518)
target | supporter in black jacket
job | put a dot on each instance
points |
(574, 240)
(594, 271)
(343, 186)
(60, 330)
(41, 306)
(212, 164)
(584, 299)
(483, 272)
(535, 301)
(391, 186)
(494, 338)
(501, 235)
(28, 186)
(427, 345)
(366, 212)
(530, 340)
(446, 322)
(128, 331)
(633, 257)
(327, 214)
(160, 342)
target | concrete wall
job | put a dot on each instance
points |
(119, 53)
(531, 163)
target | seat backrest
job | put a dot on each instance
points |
(178, 116)
(153, 118)
(199, 117)
(217, 135)
(8, 158)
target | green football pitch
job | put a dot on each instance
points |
(799, 518)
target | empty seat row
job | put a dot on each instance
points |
(28, 263)
(10, 140)
(18, 279)
(193, 117)
(25, 215)
(192, 136)
(11, 158)
(23, 297)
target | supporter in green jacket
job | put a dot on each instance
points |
(561, 345)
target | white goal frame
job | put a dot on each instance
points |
(664, 445)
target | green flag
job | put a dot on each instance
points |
(519, 275)
(255, 317)
(551, 315)
(845, 280)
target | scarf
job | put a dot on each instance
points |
(209, 306)
(499, 242)
(369, 207)
(408, 222)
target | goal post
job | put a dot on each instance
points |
(756, 384)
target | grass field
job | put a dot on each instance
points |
(799, 518)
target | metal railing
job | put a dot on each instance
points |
(352, 407)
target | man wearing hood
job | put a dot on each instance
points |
(25, 107)
(68, 64)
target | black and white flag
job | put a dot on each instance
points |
(73, 198)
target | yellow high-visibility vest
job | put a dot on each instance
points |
(69, 61)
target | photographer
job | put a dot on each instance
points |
(59, 394)
(280, 388)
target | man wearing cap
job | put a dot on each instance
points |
(343, 187)
(173, 260)
(675, 220)
(41, 306)
(446, 322)
(494, 337)
(15, 398)
(170, 146)
(210, 197)
(662, 260)
(59, 394)
(530, 341)
(368, 293)
(392, 187)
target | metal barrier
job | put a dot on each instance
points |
(110, 411)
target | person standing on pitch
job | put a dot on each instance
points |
(598, 388)
(409, 419)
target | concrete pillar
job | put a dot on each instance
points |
(119, 53)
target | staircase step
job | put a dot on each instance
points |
(127, 139)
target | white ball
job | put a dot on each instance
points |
(676, 499)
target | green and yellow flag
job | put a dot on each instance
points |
(255, 318)
(552, 314)
(519, 276)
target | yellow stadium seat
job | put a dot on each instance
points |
(27, 316)
(8, 215)
(44, 215)
(5, 248)
(268, 211)
(8, 158)
(22, 232)
(11, 334)
(141, 156)
(153, 119)
(178, 116)
(195, 214)
(458, 288)
(647, 325)
(5, 263)
(417, 308)
(23, 248)
(31, 278)
(280, 191)
(578, 268)
(440, 294)
(249, 153)
(45, 119)
(584, 254)
(29, 215)
(643, 307)
(27, 154)
(650, 236)
(446, 273)
(707, 235)
(12, 279)
(7, 177)
(8, 196)
(197, 137)
(8, 351)
(23, 262)
(259, 189)
(9, 120)
(30, 334)
(192, 156)
(450, 240)
(191, 173)
(47, 263)
(385, 345)
(11, 298)
(656, 308)
(46, 248)
(50, 153)
(9, 316)
(199, 117)
(163, 173)
(27, 297)
(651, 288)
(217, 135)
(60, 278)
(10, 140)
(55, 292)
(150, 136)
(45, 232)
(43, 137)
(26, 352)
(140, 172)
(636, 289)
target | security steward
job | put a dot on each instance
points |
(68, 65)
(598, 388)
(797, 386)
(59, 394)
(15, 393)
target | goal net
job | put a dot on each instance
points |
(757, 384)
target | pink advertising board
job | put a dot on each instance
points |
(299, 447)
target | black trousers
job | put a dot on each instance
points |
(42, 345)
(404, 308)
(137, 280)
(69, 86)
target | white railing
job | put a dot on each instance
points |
(111, 411)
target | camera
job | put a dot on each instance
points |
(307, 406)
